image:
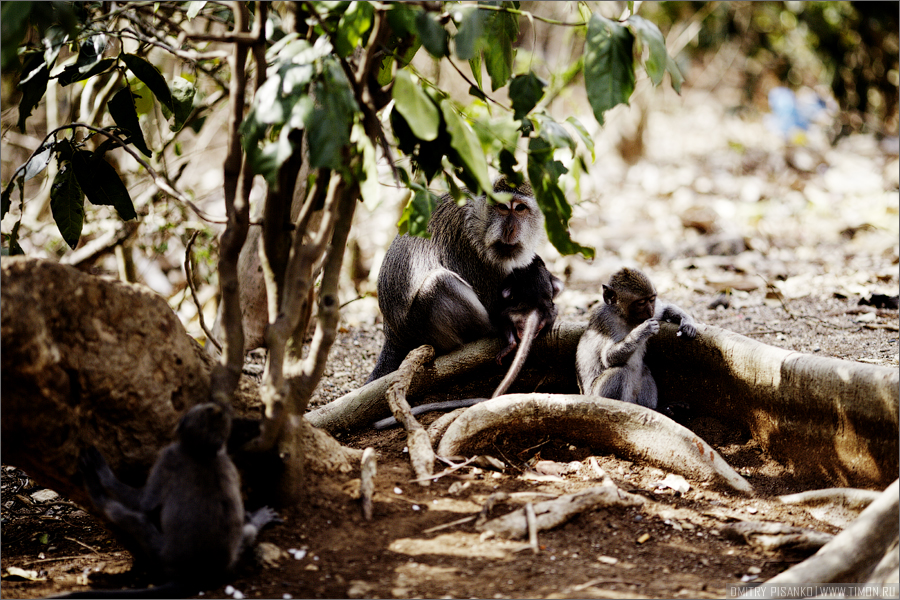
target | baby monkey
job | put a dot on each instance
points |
(610, 354)
(527, 310)
(188, 522)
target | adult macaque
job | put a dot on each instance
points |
(610, 354)
(187, 524)
(444, 291)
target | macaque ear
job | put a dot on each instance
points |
(557, 284)
(609, 294)
(506, 293)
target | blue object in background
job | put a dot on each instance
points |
(792, 114)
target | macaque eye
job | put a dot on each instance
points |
(502, 209)
(521, 208)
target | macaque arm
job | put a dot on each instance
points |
(671, 312)
(101, 481)
(617, 354)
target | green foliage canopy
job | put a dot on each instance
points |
(315, 86)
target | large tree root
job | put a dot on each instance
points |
(855, 553)
(472, 367)
(849, 498)
(639, 433)
(832, 419)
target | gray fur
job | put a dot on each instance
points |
(610, 355)
(442, 291)
(187, 524)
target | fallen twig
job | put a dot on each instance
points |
(551, 513)
(368, 468)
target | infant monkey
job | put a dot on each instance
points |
(526, 311)
(188, 522)
(610, 355)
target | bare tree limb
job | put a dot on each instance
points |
(237, 208)
(189, 275)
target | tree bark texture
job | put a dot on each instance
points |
(833, 419)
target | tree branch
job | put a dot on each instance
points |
(225, 376)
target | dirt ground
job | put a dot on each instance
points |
(411, 548)
(731, 225)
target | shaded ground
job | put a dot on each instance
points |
(595, 555)
(726, 227)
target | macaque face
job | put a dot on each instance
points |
(641, 309)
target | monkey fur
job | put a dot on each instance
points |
(443, 291)
(187, 523)
(610, 354)
(527, 310)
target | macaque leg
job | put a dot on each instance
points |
(647, 395)
(450, 312)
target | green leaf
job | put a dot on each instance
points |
(38, 162)
(674, 73)
(13, 242)
(470, 156)
(35, 76)
(554, 133)
(90, 51)
(149, 74)
(123, 112)
(183, 92)
(54, 39)
(194, 9)
(471, 35)
(5, 202)
(475, 65)
(67, 205)
(525, 91)
(102, 185)
(503, 29)
(544, 173)
(353, 27)
(584, 135)
(417, 213)
(402, 19)
(267, 162)
(416, 107)
(433, 35)
(90, 61)
(608, 65)
(329, 123)
(74, 73)
(652, 37)
(508, 165)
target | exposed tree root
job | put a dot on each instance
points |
(551, 513)
(849, 498)
(627, 429)
(472, 363)
(421, 455)
(776, 537)
(855, 553)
